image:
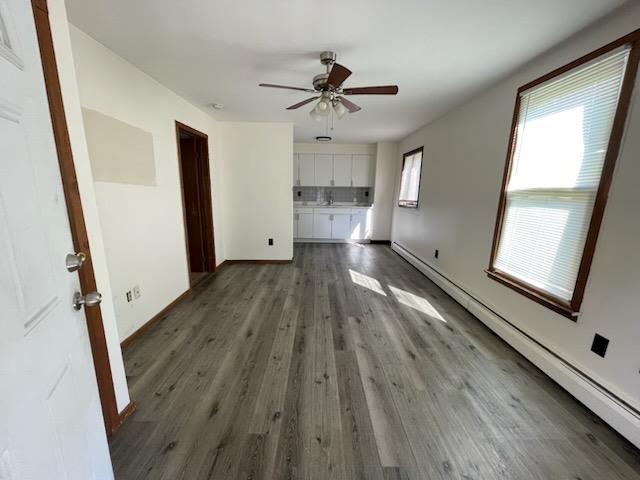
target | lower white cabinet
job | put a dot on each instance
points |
(322, 225)
(340, 226)
(332, 223)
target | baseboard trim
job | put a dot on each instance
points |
(328, 240)
(262, 262)
(614, 410)
(123, 415)
(160, 315)
(380, 242)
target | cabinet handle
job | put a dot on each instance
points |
(331, 217)
(333, 183)
(351, 183)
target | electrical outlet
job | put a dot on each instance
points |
(599, 345)
(366, 194)
(436, 253)
(299, 193)
(270, 241)
(129, 296)
(136, 291)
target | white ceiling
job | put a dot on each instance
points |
(439, 52)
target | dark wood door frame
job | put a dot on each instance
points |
(204, 187)
(112, 418)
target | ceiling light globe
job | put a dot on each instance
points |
(340, 110)
(316, 115)
(322, 105)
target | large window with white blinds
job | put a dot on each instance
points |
(410, 178)
(561, 138)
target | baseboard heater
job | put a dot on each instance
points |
(613, 409)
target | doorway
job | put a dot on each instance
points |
(195, 179)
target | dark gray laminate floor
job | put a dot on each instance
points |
(346, 364)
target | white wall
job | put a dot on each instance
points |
(463, 162)
(143, 226)
(386, 175)
(68, 84)
(258, 167)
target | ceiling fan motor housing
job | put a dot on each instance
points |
(320, 81)
(328, 58)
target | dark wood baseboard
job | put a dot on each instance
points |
(123, 415)
(159, 316)
(264, 262)
(380, 242)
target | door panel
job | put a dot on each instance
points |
(324, 170)
(342, 170)
(307, 169)
(321, 225)
(50, 420)
(305, 225)
(192, 205)
(340, 227)
(362, 168)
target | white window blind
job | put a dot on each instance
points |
(561, 140)
(410, 181)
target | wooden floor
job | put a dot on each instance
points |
(346, 364)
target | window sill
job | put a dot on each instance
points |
(533, 294)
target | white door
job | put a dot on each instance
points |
(362, 168)
(296, 170)
(305, 225)
(306, 165)
(321, 225)
(342, 170)
(50, 419)
(340, 226)
(324, 170)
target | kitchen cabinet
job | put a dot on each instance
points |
(306, 169)
(322, 225)
(359, 228)
(342, 170)
(305, 225)
(296, 170)
(362, 170)
(324, 170)
(340, 226)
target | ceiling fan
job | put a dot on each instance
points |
(331, 92)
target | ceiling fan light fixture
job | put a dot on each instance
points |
(323, 106)
(340, 109)
(316, 115)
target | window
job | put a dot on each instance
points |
(410, 181)
(564, 142)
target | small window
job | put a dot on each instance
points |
(410, 181)
(565, 139)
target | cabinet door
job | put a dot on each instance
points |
(296, 170)
(359, 226)
(306, 169)
(342, 170)
(362, 170)
(340, 227)
(305, 225)
(324, 170)
(321, 225)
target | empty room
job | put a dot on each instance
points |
(366, 240)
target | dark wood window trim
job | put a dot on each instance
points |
(571, 309)
(404, 159)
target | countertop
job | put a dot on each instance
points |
(335, 205)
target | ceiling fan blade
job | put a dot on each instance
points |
(304, 102)
(349, 105)
(338, 75)
(271, 85)
(380, 90)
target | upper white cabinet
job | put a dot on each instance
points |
(362, 170)
(324, 170)
(306, 169)
(328, 170)
(342, 170)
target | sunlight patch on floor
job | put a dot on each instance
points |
(366, 281)
(418, 303)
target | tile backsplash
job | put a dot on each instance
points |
(340, 194)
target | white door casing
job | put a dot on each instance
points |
(51, 424)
